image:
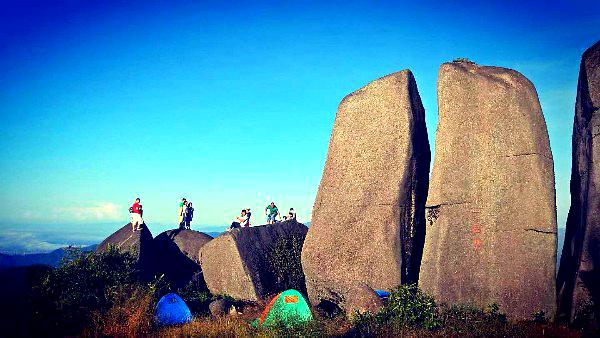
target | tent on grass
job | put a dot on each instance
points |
(288, 308)
(172, 310)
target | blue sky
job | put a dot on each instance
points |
(231, 105)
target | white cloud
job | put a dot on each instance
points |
(20, 242)
(101, 211)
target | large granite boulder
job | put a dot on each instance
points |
(491, 210)
(368, 218)
(252, 263)
(178, 255)
(139, 243)
(579, 273)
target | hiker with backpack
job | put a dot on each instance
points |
(189, 214)
(272, 212)
(135, 214)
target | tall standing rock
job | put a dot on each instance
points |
(368, 219)
(491, 209)
(579, 273)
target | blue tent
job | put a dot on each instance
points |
(172, 310)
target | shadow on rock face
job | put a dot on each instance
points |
(177, 256)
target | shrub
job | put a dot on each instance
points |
(196, 296)
(67, 295)
(285, 260)
(466, 320)
(407, 306)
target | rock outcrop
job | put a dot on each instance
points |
(179, 255)
(252, 263)
(491, 209)
(579, 273)
(368, 218)
(362, 299)
(139, 243)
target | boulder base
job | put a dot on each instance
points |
(362, 299)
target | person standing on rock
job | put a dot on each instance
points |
(136, 215)
(271, 211)
(189, 214)
(181, 210)
(248, 214)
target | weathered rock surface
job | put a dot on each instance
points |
(219, 307)
(362, 299)
(179, 255)
(579, 274)
(250, 263)
(491, 210)
(368, 219)
(138, 243)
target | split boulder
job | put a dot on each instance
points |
(368, 218)
(579, 273)
(491, 210)
(252, 263)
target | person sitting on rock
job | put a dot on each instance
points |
(291, 214)
(243, 218)
(272, 212)
(136, 215)
(239, 220)
(189, 214)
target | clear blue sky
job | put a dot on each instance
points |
(232, 105)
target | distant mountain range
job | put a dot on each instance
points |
(52, 258)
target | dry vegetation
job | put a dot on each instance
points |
(99, 296)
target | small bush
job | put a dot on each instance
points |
(407, 306)
(285, 260)
(69, 294)
(196, 296)
(465, 60)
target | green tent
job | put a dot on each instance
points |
(288, 308)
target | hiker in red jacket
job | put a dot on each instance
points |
(136, 215)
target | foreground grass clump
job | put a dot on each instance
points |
(407, 306)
